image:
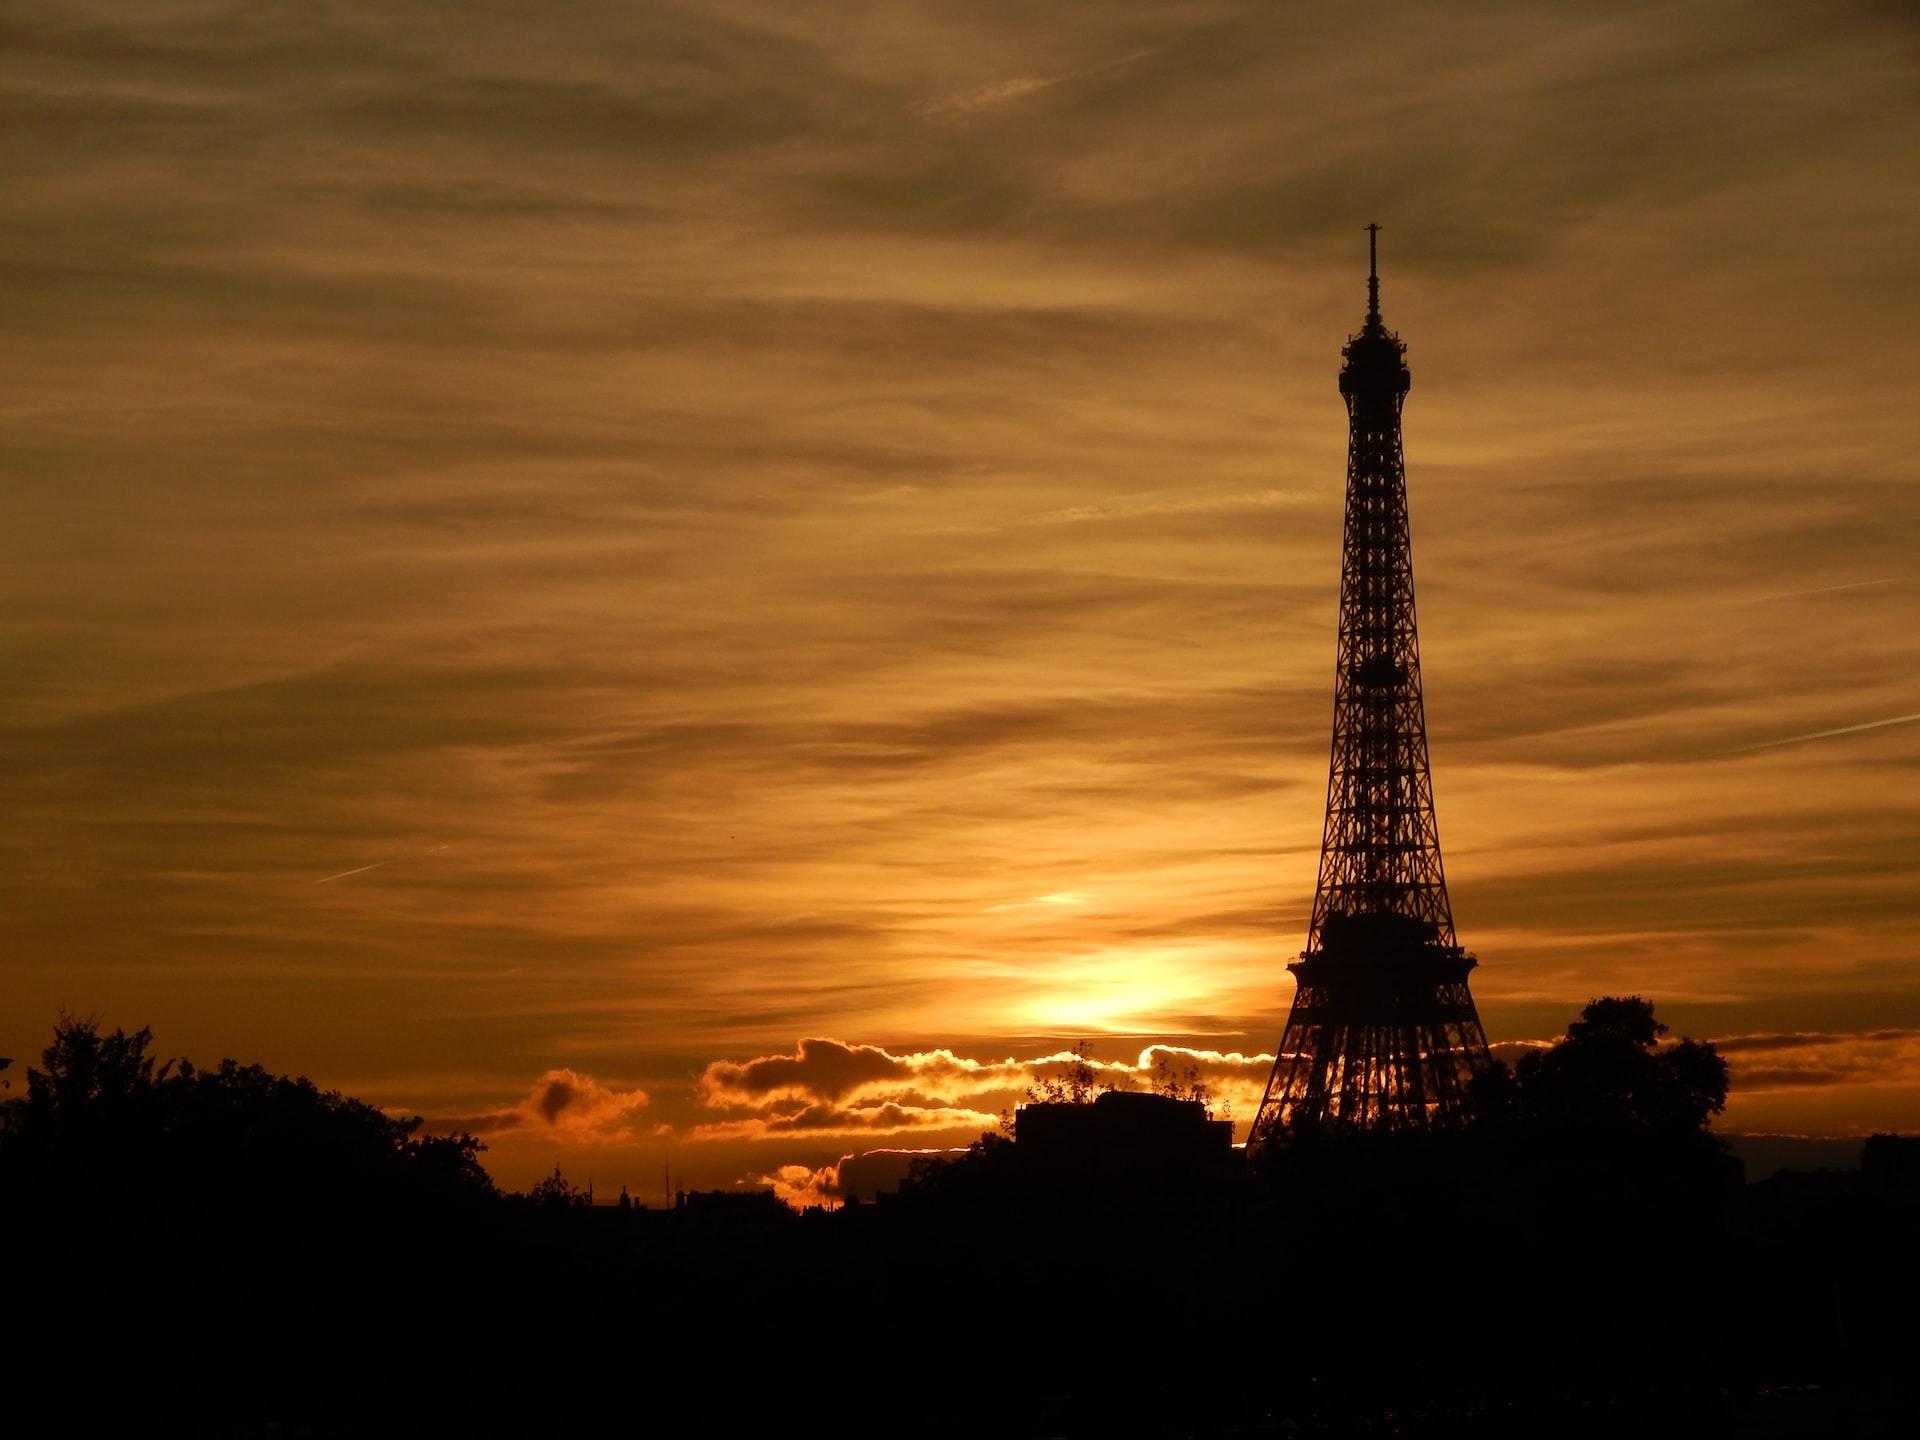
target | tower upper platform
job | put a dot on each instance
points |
(1376, 365)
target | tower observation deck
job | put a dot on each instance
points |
(1383, 1031)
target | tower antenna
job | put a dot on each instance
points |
(1373, 275)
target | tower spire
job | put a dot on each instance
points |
(1373, 275)
(1383, 1030)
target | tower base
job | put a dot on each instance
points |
(1383, 1034)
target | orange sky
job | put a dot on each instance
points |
(552, 553)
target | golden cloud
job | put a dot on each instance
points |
(565, 1104)
(843, 1120)
(860, 1176)
(824, 1070)
(802, 1186)
(829, 1086)
(1811, 1060)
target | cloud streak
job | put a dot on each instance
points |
(1815, 1060)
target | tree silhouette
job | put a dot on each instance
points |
(1078, 1082)
(1612, 1073)
(90, 1072)
(106, 1126)
(556, 1192)
(1187, 1084)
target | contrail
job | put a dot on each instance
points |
(1829, 589)
(375, 866)
(344, 873)
(1824, 734)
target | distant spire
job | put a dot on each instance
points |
(1373, 275)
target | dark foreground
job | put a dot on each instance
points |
(1438, 1286)
(227, 1252)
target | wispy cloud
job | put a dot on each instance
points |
(981, 97)
(1037, 902)
(1201, 505)
(1769, 1063)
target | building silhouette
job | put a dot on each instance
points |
(1383, 1032)
(1125, 1142)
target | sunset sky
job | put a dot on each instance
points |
(703, 584)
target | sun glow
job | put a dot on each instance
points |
(1143, 990)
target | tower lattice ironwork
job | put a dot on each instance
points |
(1383, 1030)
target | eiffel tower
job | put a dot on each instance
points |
(1383, 1032)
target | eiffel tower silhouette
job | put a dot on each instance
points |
(1383, 1031)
